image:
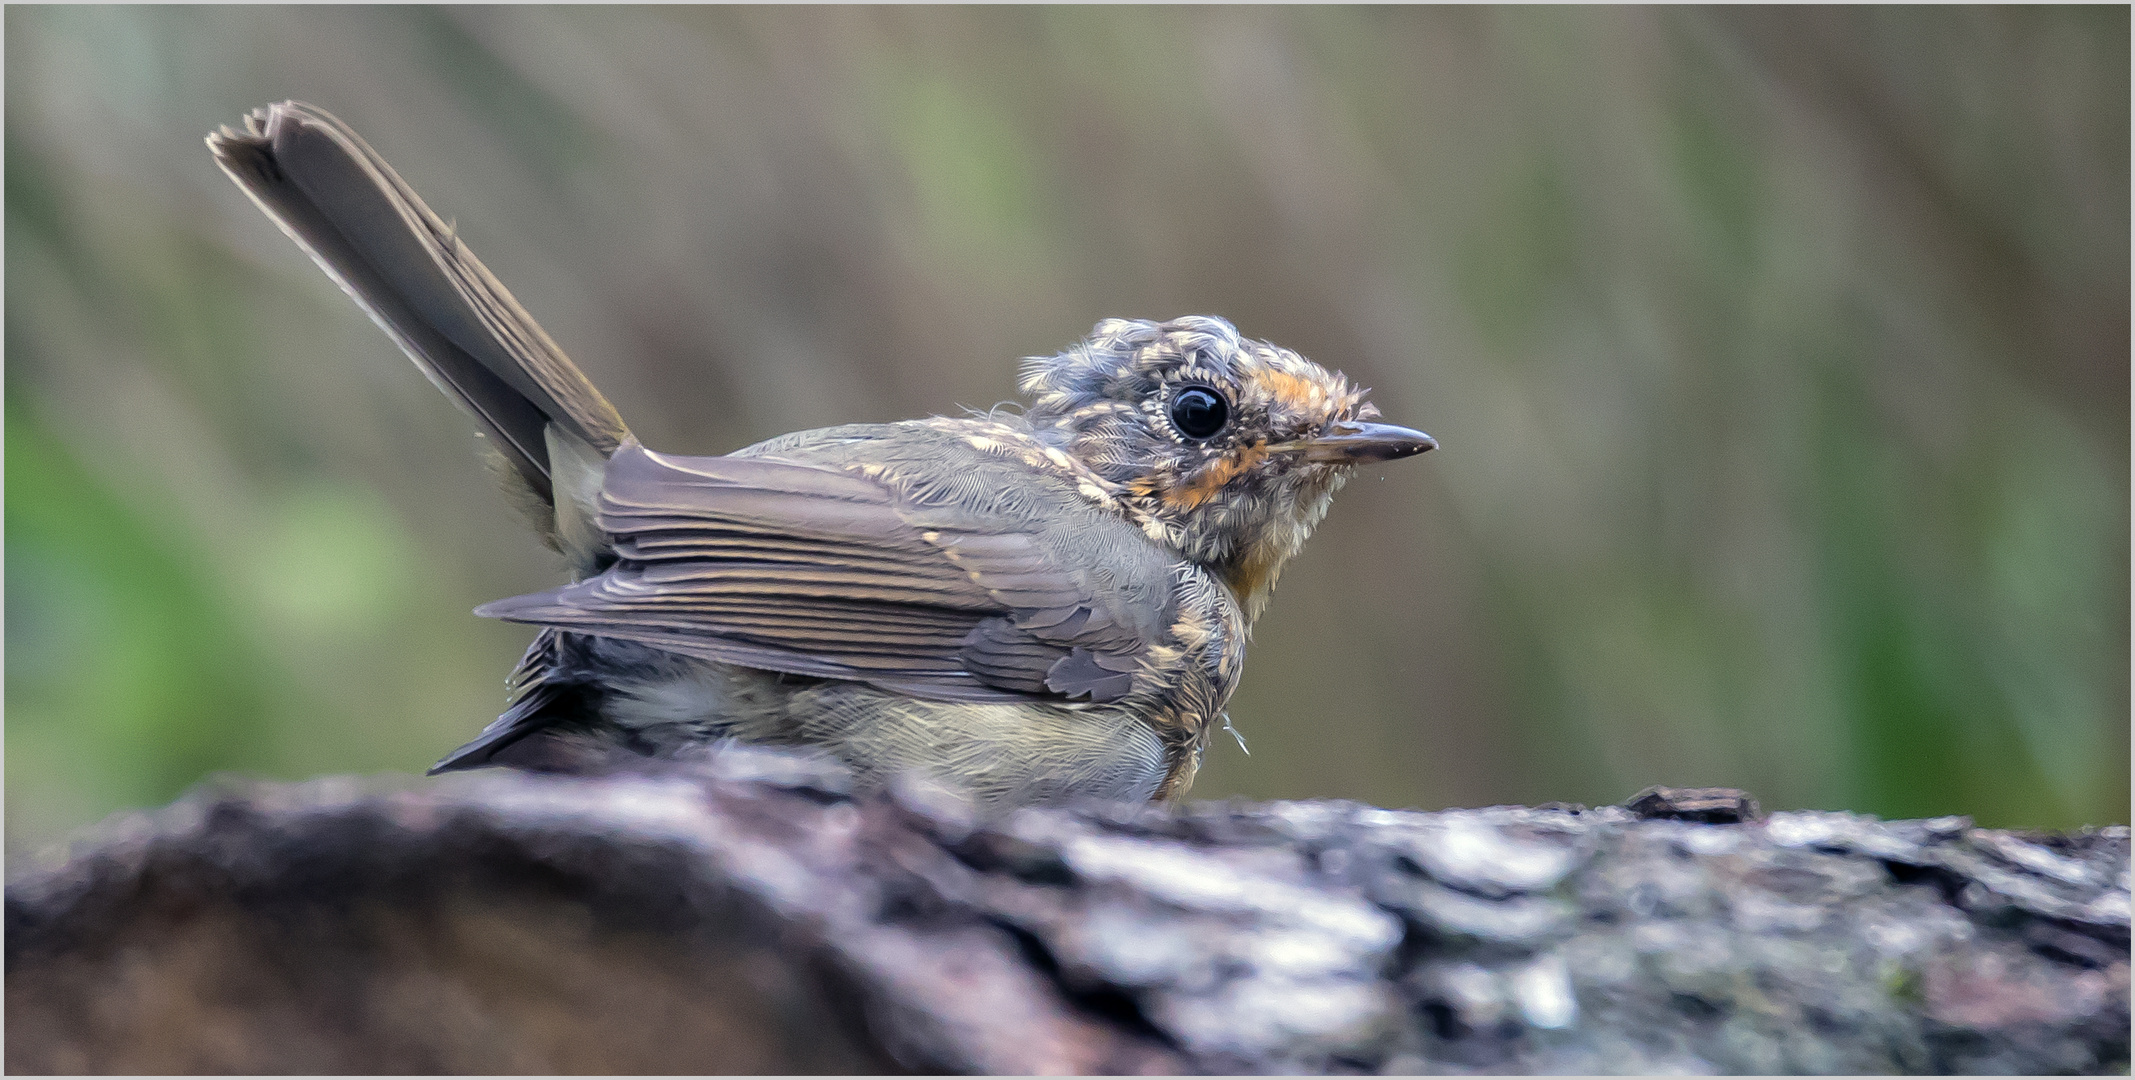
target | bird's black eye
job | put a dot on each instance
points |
(1199, 412)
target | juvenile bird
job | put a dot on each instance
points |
(1031, 607)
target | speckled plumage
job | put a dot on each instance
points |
(1031, 606)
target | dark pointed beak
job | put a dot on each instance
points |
(1353, 442)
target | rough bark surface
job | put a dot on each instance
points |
(750, 915)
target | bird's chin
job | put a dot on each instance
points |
(1314, 491)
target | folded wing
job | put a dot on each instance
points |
(818, 571)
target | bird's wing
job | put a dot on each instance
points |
(816, 570)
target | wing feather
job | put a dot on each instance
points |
(815, 571)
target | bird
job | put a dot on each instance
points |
(1028, 607)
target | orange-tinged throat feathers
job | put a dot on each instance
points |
(1252, 572)
(1252, 578)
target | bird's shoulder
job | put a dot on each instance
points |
(981, 475)
(967, 471)
(917, 457)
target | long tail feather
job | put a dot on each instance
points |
(344, 205)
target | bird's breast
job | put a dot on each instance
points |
(1195, 672)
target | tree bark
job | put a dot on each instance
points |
(749, 913)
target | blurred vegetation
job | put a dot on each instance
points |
(1779, 358)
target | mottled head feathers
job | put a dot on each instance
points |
(1240, 499)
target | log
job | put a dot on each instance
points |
(751, 913)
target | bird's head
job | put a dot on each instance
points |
(1233, 446)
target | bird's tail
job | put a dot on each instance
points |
(371, 233)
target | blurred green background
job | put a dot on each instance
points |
(1779, 359)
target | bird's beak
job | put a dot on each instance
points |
(1351, 442)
